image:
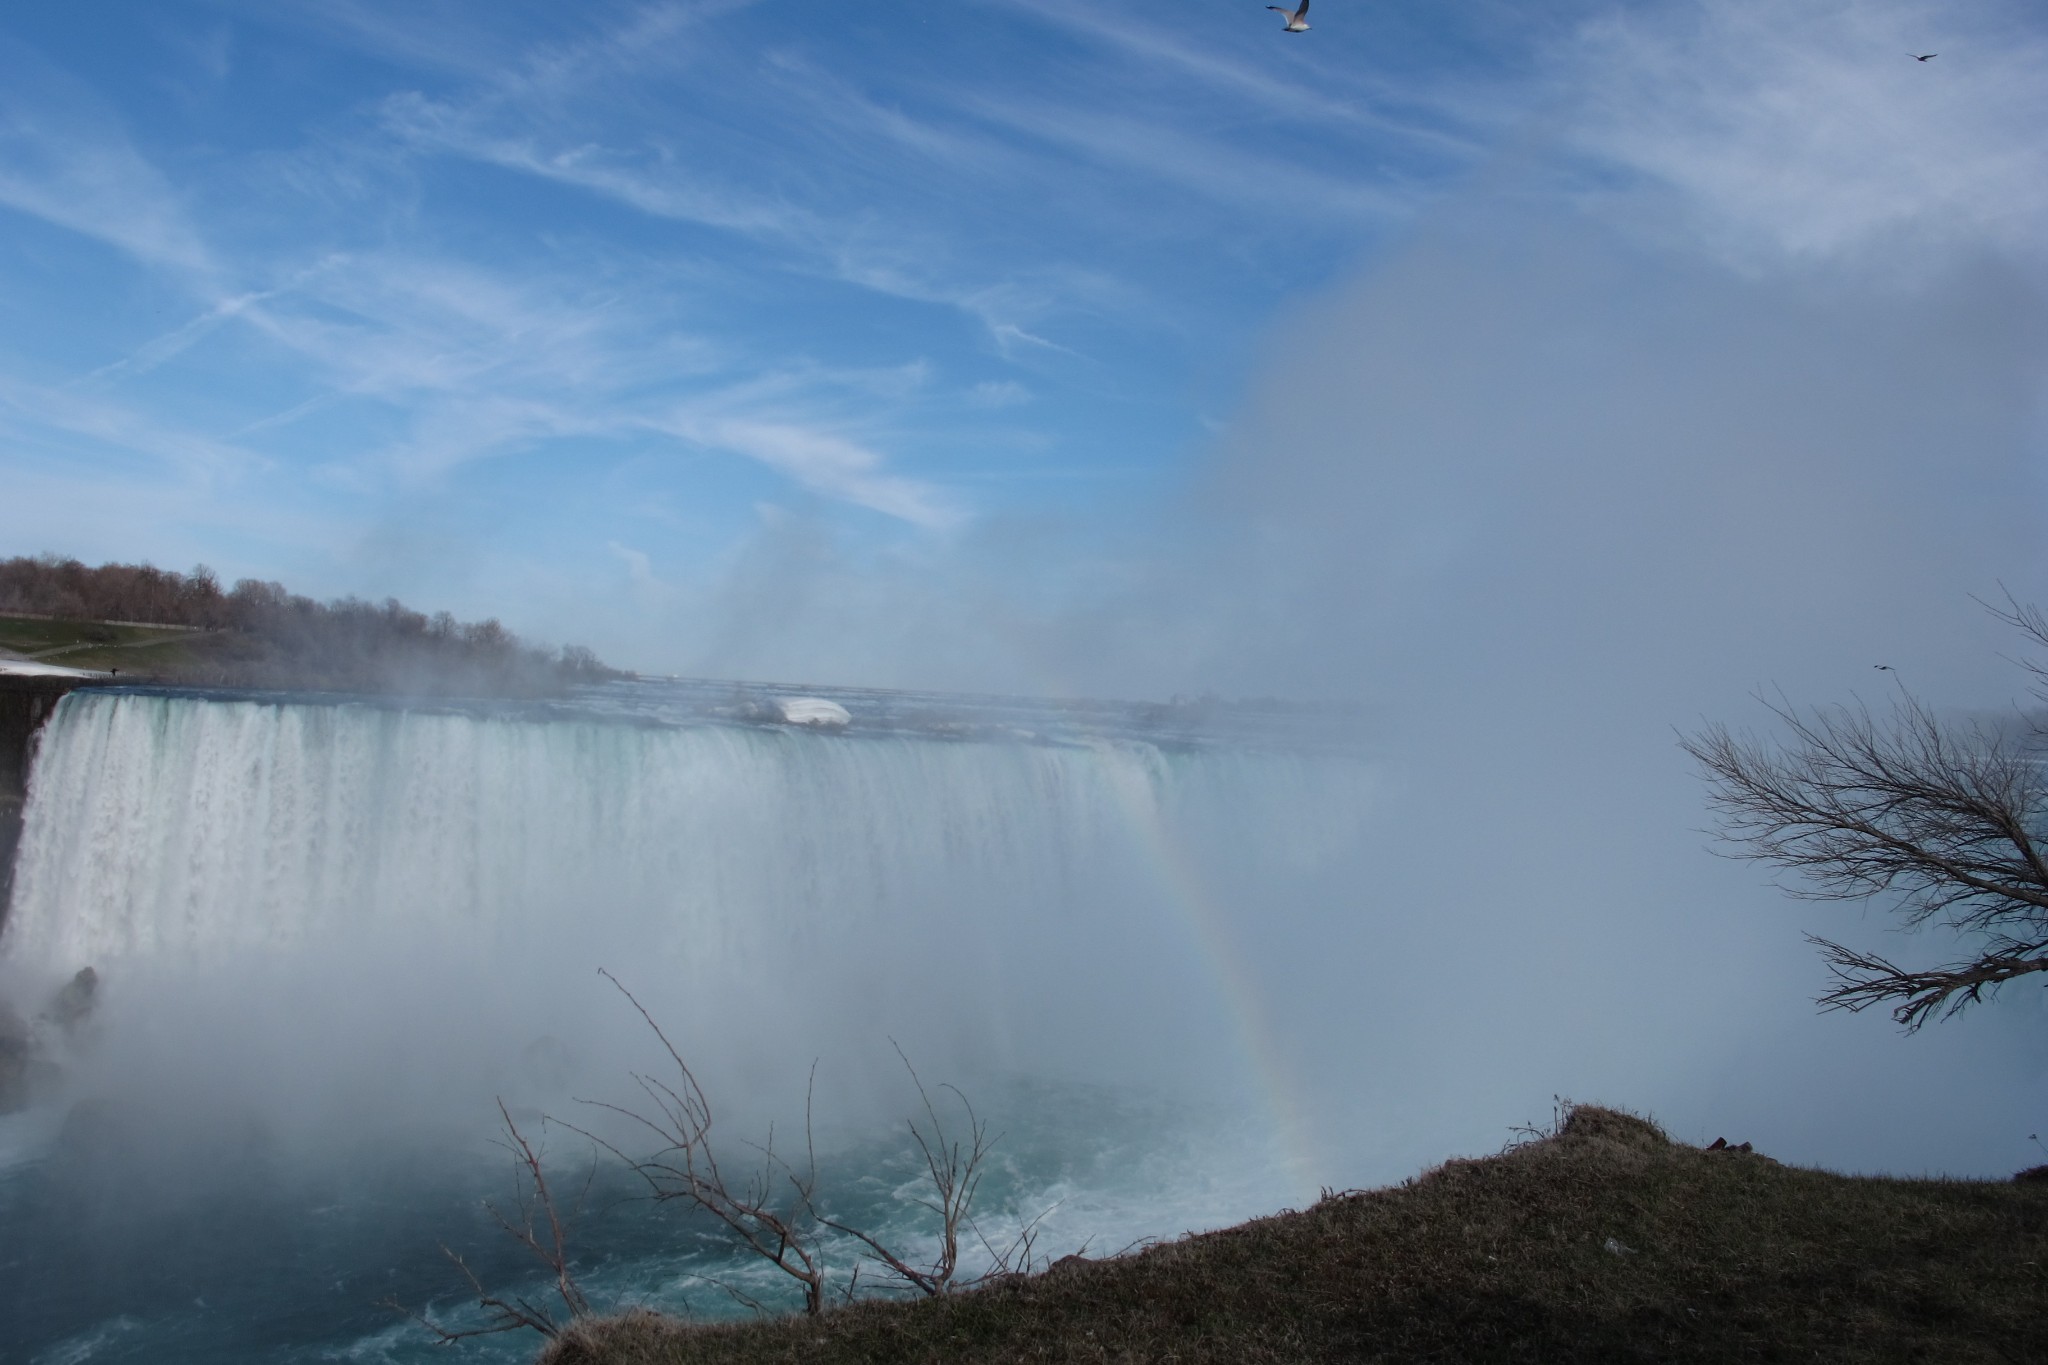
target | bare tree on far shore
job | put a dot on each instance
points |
(1944, 820)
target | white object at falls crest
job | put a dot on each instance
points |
(813, 711)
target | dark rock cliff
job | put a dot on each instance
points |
(25, 703)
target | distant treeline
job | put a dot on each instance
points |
(265, 636)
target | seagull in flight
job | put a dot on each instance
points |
(1914, 55)
(1297, 22)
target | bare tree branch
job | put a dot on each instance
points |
(1947, 820)
(1867, 979)
(775, 1213)
(955, 1174)
(539, 1227)
(1020, 1257)
(774, 1224)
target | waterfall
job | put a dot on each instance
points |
(332, 936)
(378, 911)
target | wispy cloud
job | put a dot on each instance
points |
(998, 393)
(899, 260)
(795, 160)
(483, 367)
(639, 565)
(1245, 180)
(177, 341)
(388, 325)
(35, 412)
(427, 38)
(705, 238)
(65, 158)
(1159, 48)
(1808, 129)
(648, 182)
(826, 463)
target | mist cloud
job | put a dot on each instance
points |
(1564, 473)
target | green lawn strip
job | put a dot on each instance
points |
(176, 658)
(144, 653)
(29, 636)
(1720, 1257)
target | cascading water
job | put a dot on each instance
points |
(332, 935)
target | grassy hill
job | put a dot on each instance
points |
(169, 651)
(1605, 1241)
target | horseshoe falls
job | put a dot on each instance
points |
(331, 937)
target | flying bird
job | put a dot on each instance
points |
(1884, 668)
(1297, 22)
(1914, 55)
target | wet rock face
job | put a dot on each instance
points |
(74, 1002)
(17, 1051)
(26, 1070)
(25, 703)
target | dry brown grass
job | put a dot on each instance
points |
(1714, 1257)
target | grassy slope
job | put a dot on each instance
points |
(161, 653)
(189, 658)
(94, 644)
(1731, 1258)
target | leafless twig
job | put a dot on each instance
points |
(775, 1213)
(1946, 819)
(772, 1214)
(955, 1172)
(535, 1224)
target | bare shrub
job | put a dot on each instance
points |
(772, 1209)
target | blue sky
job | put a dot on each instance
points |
(569, 315)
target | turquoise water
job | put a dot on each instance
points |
(258, 1258)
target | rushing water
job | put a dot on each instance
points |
(332, 935)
